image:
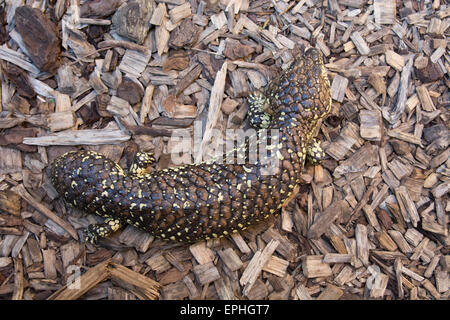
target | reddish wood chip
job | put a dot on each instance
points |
(40, 37)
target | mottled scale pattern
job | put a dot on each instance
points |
(210, 199)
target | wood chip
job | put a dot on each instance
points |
(10, 202)
(213, 112)
(360, 44)
(425, 99)
(429, 286)
(395, 60)
(379, 285)
(201, 253)
(386, 241)
(87, 137)
(302, 293)
(19, 281)
(442, 281)
(39, 35)
(86, 281)
(206, 273)
(132, 19)
(277, 266)
(362, 243)
(331, 292)
(256, 264)
(240, 243)
(346, 275)
(180, 12)
(384, 11)
(322, 223)
(371, 126)
(337, 258)
(20, 190)
(338, 88)
(407, 206)
(314, 267)
(230, 259)
(59, 121)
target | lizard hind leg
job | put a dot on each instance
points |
(314, 151)
(258, 117)
(94, 232)
(141, 164)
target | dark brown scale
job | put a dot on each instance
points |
(203, 201)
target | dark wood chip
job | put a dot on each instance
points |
(130, 91)
(40, 36)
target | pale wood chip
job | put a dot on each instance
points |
(338, 87)
(331, 292)
(276, 266)
(384, 11)
(362, 243)
(360, 44)
(79, 137)
(201, 252)
(230, 259)
(302, 293)
(314, 267)
(213, 112)
(256, 264)
(206, 273)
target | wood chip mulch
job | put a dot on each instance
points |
(370, 222)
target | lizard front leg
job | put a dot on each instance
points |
(141, 164)
(257, 116)
(314, 152)
(94, 232)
